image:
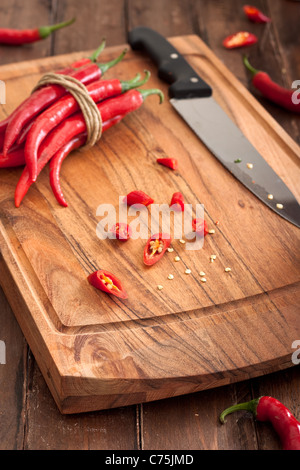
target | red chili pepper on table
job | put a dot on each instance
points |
(138, 197)
(121, 231)
(17, 37)
(14, 158)
(255, 15)
(62, 153)
(66, 106)
(169, 162)
(75, 125)
(271, 90)
(177, 201)
(200, 226)
(107, 282)
(155, 248)
(269, 409)
(46, 96)
(240, 39)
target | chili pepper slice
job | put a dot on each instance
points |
(107, 282)
(255, 15)
(17, 37)
(62, 153)
(177, 202)
(121, 231)
(67, 105)
(271, 90)
(200, 226)
(138, 197)
(240, 39)
(169, 162)
(270, 409)
(46, 96)
(156, 247)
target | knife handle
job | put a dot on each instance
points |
(172, 67)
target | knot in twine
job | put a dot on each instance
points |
(88, 107)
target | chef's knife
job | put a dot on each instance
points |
(193, 100)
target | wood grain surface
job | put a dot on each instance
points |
(97, 352)
(29, 417)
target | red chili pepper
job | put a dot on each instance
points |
(121, 231)
(269, 409)
(14, 158)
(75, 125)
(62, 153)
(240, 39)
(177, 202)
(271, 90)
(46, 96)
(66, 106)
(200, 226)
(17, 37)
(138, 197)
(107, 282)
(169, 162)
(156, 247)
(255, 15)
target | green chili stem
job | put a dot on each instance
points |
(135, 82)
(108, 65)
(153, 91)
(248, 406)
(249, 66)
(98, 51)
(45, 31)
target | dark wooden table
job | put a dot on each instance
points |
(29, 418)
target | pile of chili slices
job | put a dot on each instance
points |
(49, 124)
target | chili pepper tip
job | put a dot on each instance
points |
(45, 31)
(95, 55)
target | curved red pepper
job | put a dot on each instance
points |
(107, 282)
(138, 197)
(269, 409)
(271, 90)
(200, 226)
(156, 247)
(240, 39)
(255, 15)
(177, 201)
(17, 37)
(169, 162)
(121, 231)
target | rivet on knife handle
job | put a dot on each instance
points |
(172, 67)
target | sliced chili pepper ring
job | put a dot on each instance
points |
(169, 162)
(240, 39)
(177, 201)
(155, 248)
(200, 226)
(107, 282)
(138, 197)
(121, 231)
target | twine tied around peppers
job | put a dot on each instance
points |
(88, 107)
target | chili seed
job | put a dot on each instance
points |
(170, 276)
(270, 196)
(211, 231)
(250, 166)
(227, 270)
(159, 287)
(203, 279)
(170, 250)
(176, 258)
(279, 206)
(182, 241)
(188, 271)
(202, 273)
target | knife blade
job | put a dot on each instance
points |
(193, 99)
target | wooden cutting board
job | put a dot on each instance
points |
(98, 352)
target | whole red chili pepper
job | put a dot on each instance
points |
(46, 96)
(177, 201)
(255, 15)
(74, 125)
(138, 197)
(240, 39)
(271, 90)
(17, 37)
(269, 409)
(155, 248)
(62, 153)
(65, 107)
(107, 282)
(200, 226)
(169, 162)
(121, 231)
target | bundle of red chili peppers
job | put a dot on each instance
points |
(49, 124)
